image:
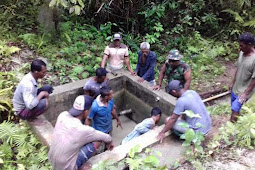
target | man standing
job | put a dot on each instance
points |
(73, 143)
(28, 100)
(102, 111)
(175, 69)
(92, 87)
(188, 100)
(244, 81)
(116, 53)
(145, 64)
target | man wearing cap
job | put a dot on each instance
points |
(188, 100)
(242, 86)
(175, 69)
(146, 64)
(116, 53)
(92, 87)
(73, 143)
(29, 101)
(102, 111)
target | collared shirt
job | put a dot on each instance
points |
(69, 136)
(116, 56)
(146, 70)
(101, 115)
(245, 74)
(190, 100)
(141, 128)
(25, 94)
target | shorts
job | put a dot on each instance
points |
(86, 152)
(235, 104)
(26, 114)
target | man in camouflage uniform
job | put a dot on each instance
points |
(175, 69)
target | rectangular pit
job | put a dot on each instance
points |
(128, 94)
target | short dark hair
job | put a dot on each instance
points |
(105, 90)
(247, 38)
(100, 72)
(37, 64)
(156, 111)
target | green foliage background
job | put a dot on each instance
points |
(72, 35)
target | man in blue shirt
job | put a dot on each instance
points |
(188, 100)
(102, 110)
(145, 64)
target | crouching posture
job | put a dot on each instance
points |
(74, 143)
(187, 100)
(28, 100)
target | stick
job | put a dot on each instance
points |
(215, 97)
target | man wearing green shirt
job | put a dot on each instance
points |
(242, 86)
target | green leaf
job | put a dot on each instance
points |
(78, 69)
(52, 3)
(85, 75)
(191, 114)
(77, 9)
(151, 160)
(183, 124)
(190, 134)
(134, 150)
(158, 153)
(81, 3)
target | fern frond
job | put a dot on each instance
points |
(236, 15)
(250, 23)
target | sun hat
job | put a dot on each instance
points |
(174, 55)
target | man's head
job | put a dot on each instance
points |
(38, 68)
(145, 48)
(174, 58)
(156, 112)
(175, 87)
(246, 42)
(106, 93)
(117, 39)
(101, 75)
(81, 106)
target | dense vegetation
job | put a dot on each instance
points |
(72, 35)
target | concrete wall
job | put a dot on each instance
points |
(128, 94)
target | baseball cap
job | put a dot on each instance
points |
(174, 85)
(81, 103)
(117, 36)
(174, 55)
(100, 72)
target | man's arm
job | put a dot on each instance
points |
(244, 96)
(232, 83)
(187, 77)
(114, 115)
(126, 58)
(169, 125)
(91, 135)
(151, 69)
(161, 77)
(88, 121)
(105, 57)
(30, 100)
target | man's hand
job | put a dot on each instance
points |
(140, 80)
(243, 98)
(161, 136)
(134, 73)
(43, 94)
(157, 87)
(119, 124)
(110, 146)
